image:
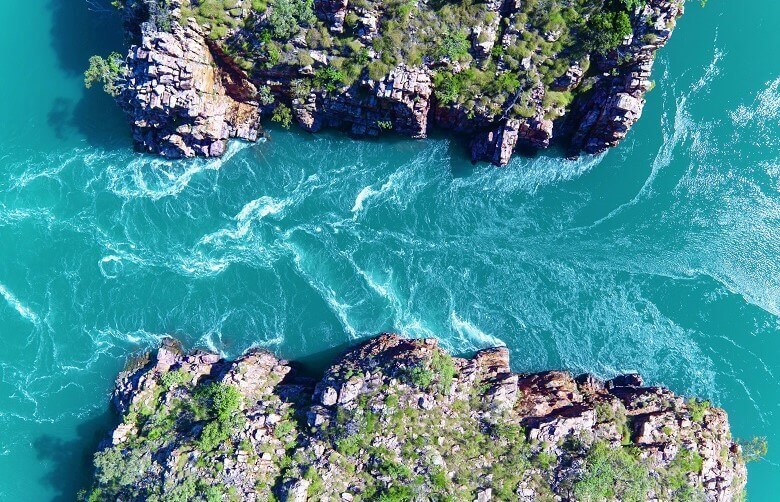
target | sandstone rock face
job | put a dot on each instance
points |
(332, 12)
(393, 412)
(497, 146)
(181, 103)
(400, 102)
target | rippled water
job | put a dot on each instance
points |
(661, 256)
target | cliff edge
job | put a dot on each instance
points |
(399, 419)
(507, 74)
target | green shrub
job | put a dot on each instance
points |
(754, 449)
(697, 409)
(288, 16)
(107, 71)
(632, 5)
(264, 95)
(421, 376)
(443, 365)
(348, 446)
(183, 491)
(397, 493)
(329, 78)
(545, 460)
(282, 115)
(284, 428)
(213, 435)
(221, 403)
(114, 470)
(304, 59)
(391, 401)
(557, 99)
(676, 476)
(300, 88)
(447, 86)
(377, 70)
(453, 46)
(316, 484)
(175, 378)
(225, 400)
(688, 461)
(509, 432)
(385, 125)
(606, 30)
(506, 82)
(612, 473)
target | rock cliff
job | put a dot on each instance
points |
(180, 100)
(399, 419)
(506, 74)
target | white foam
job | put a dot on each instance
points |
(338, 308)
(765, 107)
(50, 170)
(110, 266)
(17, 305)
(156, 178)
(674, 134)
(368, 192)
(13, 216)
(470, 333)
(365, 193)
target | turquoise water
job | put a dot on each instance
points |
(662, 256)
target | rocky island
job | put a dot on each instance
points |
(508, 75)
(396, 419)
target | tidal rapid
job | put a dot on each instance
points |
(661, 256)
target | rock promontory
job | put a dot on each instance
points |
(399, 419)
(507, 74)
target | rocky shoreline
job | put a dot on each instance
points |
(400, 419)
(187, 91)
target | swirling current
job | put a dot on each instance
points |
(661, 256)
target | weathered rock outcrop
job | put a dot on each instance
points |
(399, 102)
(602, 118)
(182, 100)
(403, 420)
(189, 90)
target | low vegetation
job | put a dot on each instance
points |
(426, 426)
(484, 62)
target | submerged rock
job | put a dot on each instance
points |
(402, 419)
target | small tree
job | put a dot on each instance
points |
(606, 30)
(753, 449)
(282, 115)
(107, 71)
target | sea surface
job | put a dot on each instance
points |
(662, 256)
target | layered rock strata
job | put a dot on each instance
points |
(183, 101)
(399, 419)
